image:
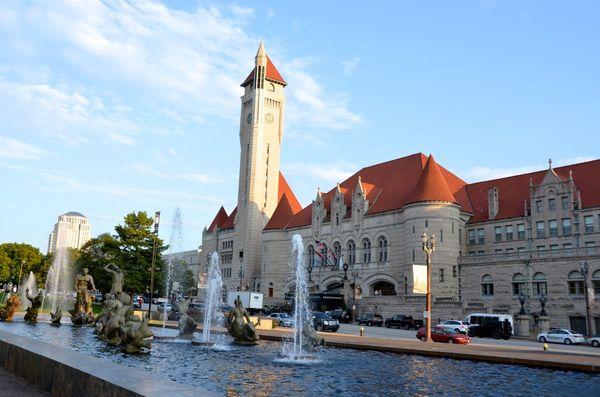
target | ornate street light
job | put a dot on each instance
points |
(428, 247)
(522, 299)
(543, 301)
(345, 267)
(584, 268)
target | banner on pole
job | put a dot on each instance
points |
(419, 279)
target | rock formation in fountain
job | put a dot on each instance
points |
(240, 326)
(82, 312)
(117, 322)
(33, 310)
(186, 324)
(8, 310)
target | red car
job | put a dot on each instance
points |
(445, 335)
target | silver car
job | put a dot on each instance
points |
(565, 336)
(285, 320)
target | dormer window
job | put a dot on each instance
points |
(539, 206)
(565, 202)
(551, 204)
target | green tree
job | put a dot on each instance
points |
(13, 255)
(130, 249)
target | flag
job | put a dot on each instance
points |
(328, 257)
(419, 279)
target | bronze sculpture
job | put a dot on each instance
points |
(82, 312)
(240, 326)
(117, 278)
(10, 308)
(187, 325)
(33, 310)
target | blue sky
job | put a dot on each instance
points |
(110, 107)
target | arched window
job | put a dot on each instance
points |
(540, 286)
(383, 288)
(366, 246)
(518, 283)
(351, 252)
(337, 250)
(575, 282)
(224, 293)
(382, 249)
(487, 285)
(596, 284)
(310, 252)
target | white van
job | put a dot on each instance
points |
(480, 318)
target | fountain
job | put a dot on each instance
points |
(186, 324)
(212, 304)
(33, 310)
(59, 280)
(28, 284)
(8, 310)
(174, 246)
(305, 338)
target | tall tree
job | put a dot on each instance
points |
(13, 255)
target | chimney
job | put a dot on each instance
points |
(493, 202)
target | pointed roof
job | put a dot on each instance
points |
(220, 218)
(432, 185)
(271, 74)
(285, 189)
(285, 210)
(230, 222)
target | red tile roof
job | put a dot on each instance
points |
(220, 218)
(513, 191)
(229, 223)
(432, 185)
(283, 213)
(272, 74)
(389, 186)
(284, 188)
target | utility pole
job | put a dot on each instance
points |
(428, 248)
(153, 265)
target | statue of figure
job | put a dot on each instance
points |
(117, 278)
(187, 325)
(8, 310)
(32, 311)
(242, 332)
(82, 312)
(135, 335)
(56, 316)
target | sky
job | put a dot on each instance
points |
(108, 107)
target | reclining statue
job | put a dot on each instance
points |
(8, 310)
(242, 331)
(33, 310)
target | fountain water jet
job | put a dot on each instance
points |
(304, 334)
(175, 242)
(59, 280)
(213, 315)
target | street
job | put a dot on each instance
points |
(393, 333)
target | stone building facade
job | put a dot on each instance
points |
(525, 234)
(72, 230)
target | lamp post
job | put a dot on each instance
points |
(345, 267)
(353, 285)
(428, 247)
(584, 268)
(522, 299)
(543, 300)
(153, 265)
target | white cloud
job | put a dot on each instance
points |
(14, 149)
(270, 13)
(349, 65)
(329, 173)
(120, 138)
(190, 176)
(482, 173)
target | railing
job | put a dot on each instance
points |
(415, 298)
(531, 255)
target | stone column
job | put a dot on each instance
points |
(544, 323)
(522, 325)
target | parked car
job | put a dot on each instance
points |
(402, 321)
(458, 326)
(341, 315)
(444, 335)
(283, 319)
(370, 319)
(565, 336)
(162, 305)
(324, 322)
(595, 341)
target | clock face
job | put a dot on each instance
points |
(269, 118)
(249, 118)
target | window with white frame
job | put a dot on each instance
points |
(541, 229)
(589, 223)
(509, 232)
(540, 286)
(553, 227)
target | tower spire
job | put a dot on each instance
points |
(261, 55)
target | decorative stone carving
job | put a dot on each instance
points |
(240, 326)
(82, 312)
(186, 324)
(8, 310)
(117, 278)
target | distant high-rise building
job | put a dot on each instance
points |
(71, 231)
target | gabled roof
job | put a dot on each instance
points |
(220, 218)
(284, 188)
(229, 223)
(432, 185)
(283, 213)
(513, 191)
(272, 74)
(390, 186)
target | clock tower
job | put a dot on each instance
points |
(261, 131)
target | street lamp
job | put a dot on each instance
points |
(353, 285)
(543, 300)
(153, 265)
(584, 268)
(428, 247)
(345, 267)
(522, 299)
